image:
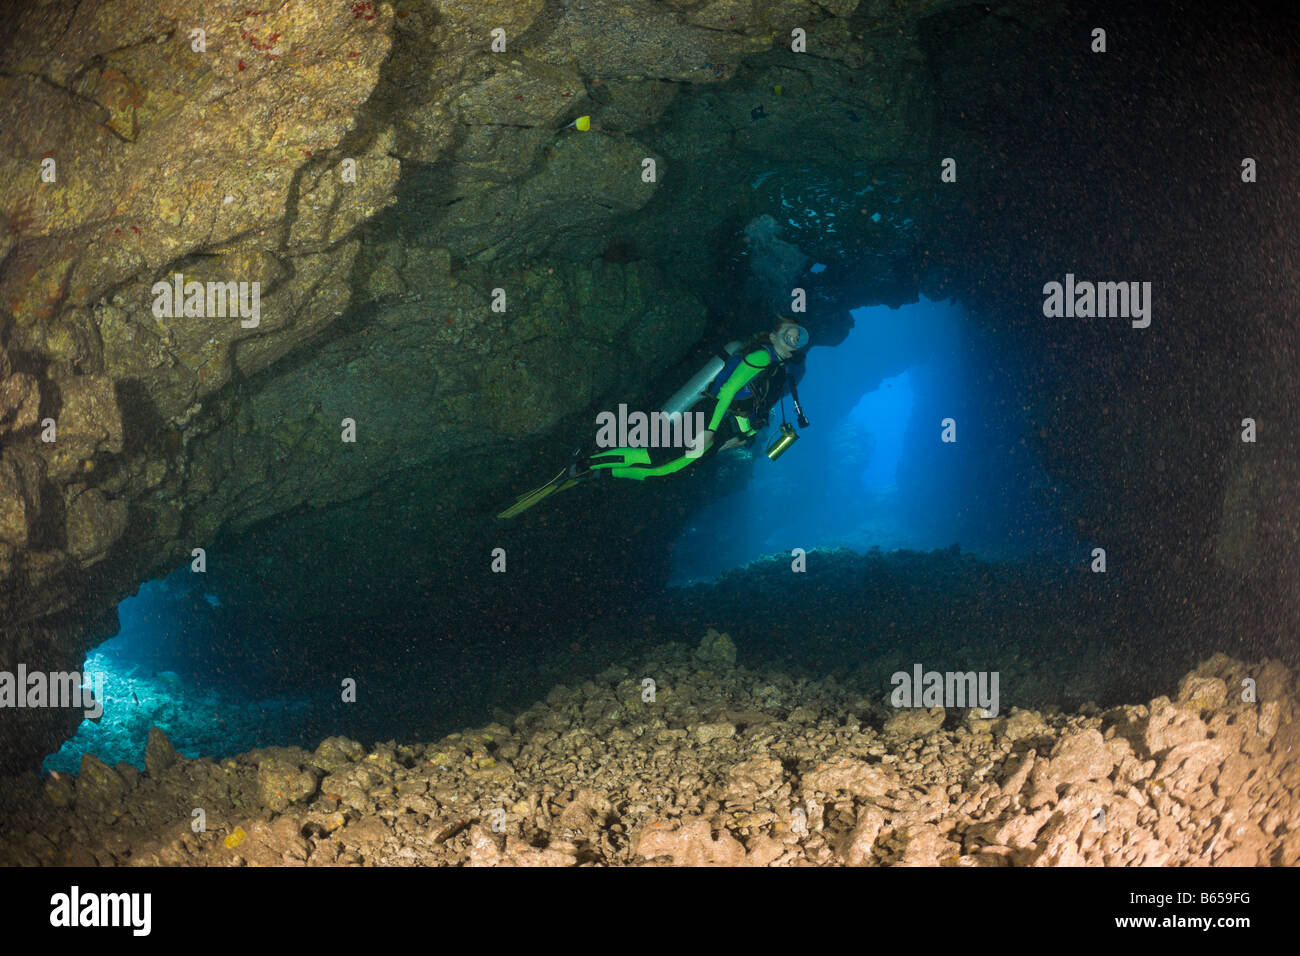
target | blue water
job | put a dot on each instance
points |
(167, 667)
(872, 470)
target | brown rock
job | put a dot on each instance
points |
(855, 777)
(692, 842)
(1080, 756)
(159, 754)
(16, 510)
(1018, 773)
(856, 848)
(914, 723)
(20, 400)
(1168, 726)
(764, 850)
(926, 845)
(93, 524)
(1202, 693)
(752, 779)
(88, 422)
(1184, 764)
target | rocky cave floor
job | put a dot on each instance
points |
(727, 766)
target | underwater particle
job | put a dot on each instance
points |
(235, 839)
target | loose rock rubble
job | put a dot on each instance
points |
(718, 765)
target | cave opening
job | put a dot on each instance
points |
(919, 443)
(195, 666)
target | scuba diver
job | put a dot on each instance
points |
(733, 394)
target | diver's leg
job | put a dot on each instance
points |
(639, 463)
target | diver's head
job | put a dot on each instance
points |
(788, 337)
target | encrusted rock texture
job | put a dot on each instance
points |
(221, 156)
(724, 767)
(224, 164)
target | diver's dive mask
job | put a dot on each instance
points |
(794, 336)
(786, 437)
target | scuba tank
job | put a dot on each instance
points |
(685, 397)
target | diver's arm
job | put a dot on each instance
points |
(746, 370)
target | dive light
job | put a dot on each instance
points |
(787, 437)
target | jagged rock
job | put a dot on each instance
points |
(930, 803)
(1079, 757)
(585, 815)
(716, 648)
(140, 105)
(1023, 724)
(88, 423)
(159, 754)
(524, 93)
(641, 39)
(751, 780)
(334, 753)
(690, 842)
(19, 499)
(99, 783)
(855, 777)
(926, 845)
(1168, 725)
(93, 524)
(282, 780)
(20, 398)
(857, 846)
(60, 789)
(1203, 693)
(706, 733)
(915, 722)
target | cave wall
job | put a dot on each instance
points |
(378, 294)
(223, 163)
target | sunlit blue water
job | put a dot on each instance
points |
(872, 470)
(161, 670)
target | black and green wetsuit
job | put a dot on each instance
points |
(739, 398)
